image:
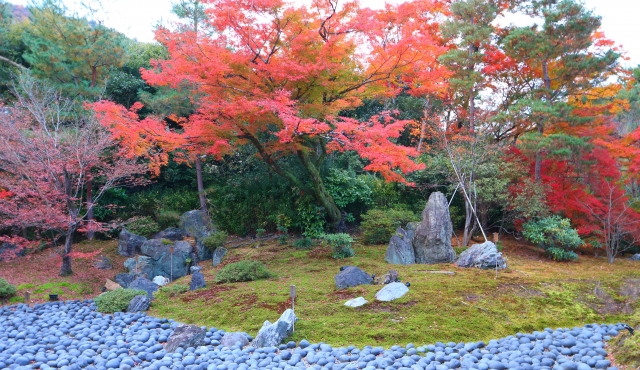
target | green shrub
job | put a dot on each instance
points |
(304, 243)
(341, 245)
(142, 226)
(378, 225)
(166, 218)
(116, 300)
(6, 290)
(243, 271)
(174, 289)
(555, 235)
(215, 240)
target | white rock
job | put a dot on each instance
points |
(356, 302)
(391, 291)
(160, 280)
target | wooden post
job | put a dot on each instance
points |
(27, 297)
(292, 294)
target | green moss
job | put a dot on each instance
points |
(472, 305)
(116, 300)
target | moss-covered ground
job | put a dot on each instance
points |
(533, 293)
(470, 305)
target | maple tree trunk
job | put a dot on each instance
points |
(65, 269)
(320, 192)
(90, 233)
(203, 201)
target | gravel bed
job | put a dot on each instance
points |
(72, 335)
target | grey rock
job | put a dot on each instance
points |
(391, 291)
(356, 302)
(197, 281)
(635, 257)
(230, 339)
(140, 266)
(129, 244)
(195, 269)
(432, 241)
(192, 224)
(102, 263)
(484, 256)
(145, 284)
(390, 277)
(218, 255)
(139, 303)
(166, 263)
(161, 280)
(203, 252)
(352, 276)
(271, 335)
(185, 336)
(400, 250)
(124, 279)
(171, 233)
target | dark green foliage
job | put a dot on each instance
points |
(6, 290)
(555, 235)
(215, 240)
(144, 225)
(243, 271)
(167, 218)
(341, 245)
(304, 243)
(116, 300)
(350, 192)
(379, 224)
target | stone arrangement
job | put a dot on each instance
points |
(428, 241)
(271, 335)
(352, 276)
(73, 335)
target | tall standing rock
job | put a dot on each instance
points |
(432, 242)
(400, 250)
(193, 225)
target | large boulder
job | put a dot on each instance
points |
(484, 256)
(185, 336)
(129, 244)
(171, 233)
(168, 260)
(231, 339)
(144, 284)
(271, 335)
(124, 279)
(352, 276)
(635, 257)
(192, 224)
(400, 250)
(139, 303)
(140, 266)
(391, 291)
(432, 242)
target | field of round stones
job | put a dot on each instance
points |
(72, 335)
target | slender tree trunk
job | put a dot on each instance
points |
(468, 221)
(90, 233)
(547, 86)
(65, 269)
(320, 192)
(203, 200)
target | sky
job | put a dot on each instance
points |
(137, 18)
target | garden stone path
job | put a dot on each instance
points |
(73, 335)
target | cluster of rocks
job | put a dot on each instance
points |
(429, 241)
(350, 276)
(72, 335)
(167, 256)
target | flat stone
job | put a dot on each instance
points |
(111, 285)
(185, 336)
(391, 291)
(144, 284)
(160, 280)
(635, 257)
(171, 233)
(230, 339)
(356, 302)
